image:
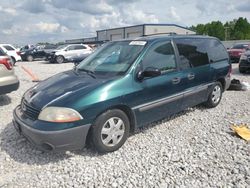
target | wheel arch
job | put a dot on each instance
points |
(223, 83)
(127, 110)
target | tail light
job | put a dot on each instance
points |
(18, 53)
(6, 62)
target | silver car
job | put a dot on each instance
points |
(8, 80)
(65, 52)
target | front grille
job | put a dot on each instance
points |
(29, 111)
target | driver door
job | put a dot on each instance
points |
(158, 97)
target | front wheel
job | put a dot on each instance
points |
(60, 59)
(30, 58)
(215, 96)
(110, 131)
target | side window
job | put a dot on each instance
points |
(9, 48)
(160, 56)
(216, 51)
(70, 48)
(193, 52)
(79, 47)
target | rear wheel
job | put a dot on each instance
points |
(110, 131)
(60, 59)
(215, 96)
(30, 58)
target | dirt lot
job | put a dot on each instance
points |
(195, 148)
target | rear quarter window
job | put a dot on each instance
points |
(9, 48)
(216, 51)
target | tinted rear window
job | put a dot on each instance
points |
(193, 52)
(9, 48)
(79, 47)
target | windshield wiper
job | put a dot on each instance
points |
(89, 72)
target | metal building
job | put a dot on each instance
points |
(91, 40)
(141, 30)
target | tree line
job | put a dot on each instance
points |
(237, 29)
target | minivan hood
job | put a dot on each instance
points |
(63, 85)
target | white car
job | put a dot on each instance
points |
(65, 52)
(12, 52)
(8, 80)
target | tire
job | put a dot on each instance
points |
(110, 131)
(215, 96)
(59, 59)
(242, 70)
(13, 61)
(30, 58)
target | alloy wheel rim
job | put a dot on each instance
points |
(112, 131)
(59, 59)
(30, 58)
(216, 94)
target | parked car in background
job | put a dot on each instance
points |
(122, 86)
(8, 80)
(12, 52)
(65, 52)
(37, 52)
(27, 47)
(236, 51)
(244, 64)
(77, 58)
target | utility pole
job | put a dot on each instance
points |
(226, 33)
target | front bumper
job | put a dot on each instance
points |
(51, 57)
(60, 140)
(9, 88)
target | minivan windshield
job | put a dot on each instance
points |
(114, 58)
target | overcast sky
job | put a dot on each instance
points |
(32, 21)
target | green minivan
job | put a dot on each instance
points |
(122, 86)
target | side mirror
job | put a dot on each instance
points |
(148, 73)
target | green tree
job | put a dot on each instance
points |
(201, 29)
(216, 29)
(233, 30)
(241, 29)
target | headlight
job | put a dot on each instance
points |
(243, 57)
(59, 115)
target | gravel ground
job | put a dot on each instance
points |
(195, 148)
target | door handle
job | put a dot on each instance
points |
(176, 80)
(191, 76)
